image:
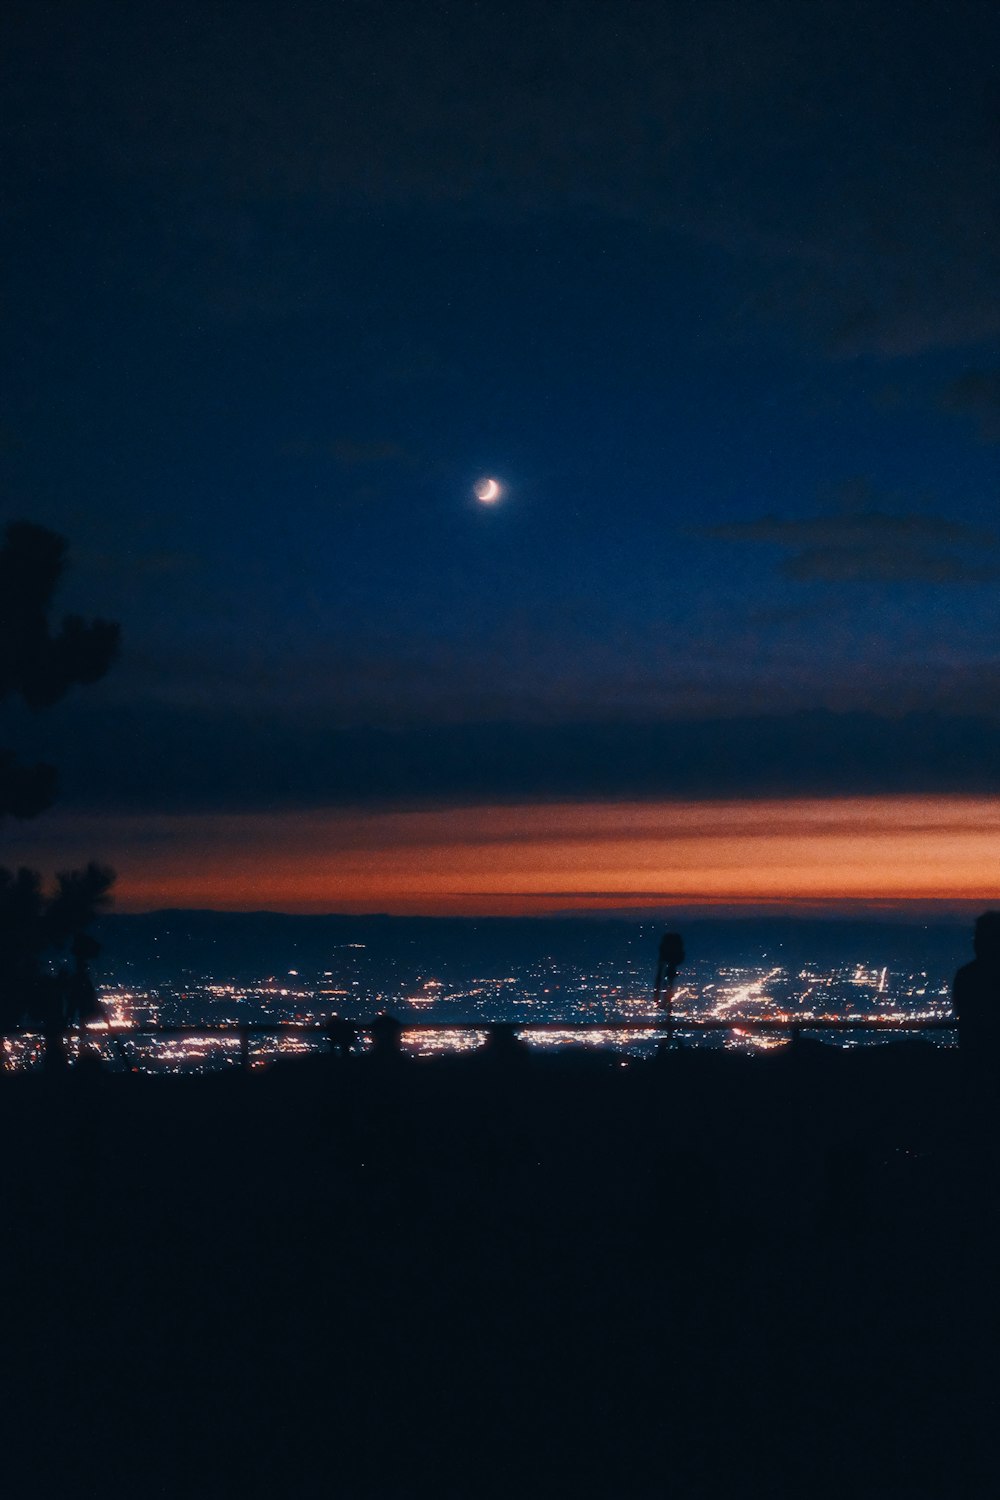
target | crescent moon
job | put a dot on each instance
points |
(488, 490)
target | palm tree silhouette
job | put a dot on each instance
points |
(670, 959)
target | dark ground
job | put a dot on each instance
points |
(704, 1276)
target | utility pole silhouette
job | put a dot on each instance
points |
(670, 959)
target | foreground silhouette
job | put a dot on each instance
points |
(566, 1278)
(976, 996)
(480, 1278)
(40, 665)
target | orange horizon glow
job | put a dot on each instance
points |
(513, 860)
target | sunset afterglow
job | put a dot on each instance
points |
(562, 856)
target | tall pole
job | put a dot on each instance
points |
(671, 956)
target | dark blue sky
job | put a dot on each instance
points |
(712, 288)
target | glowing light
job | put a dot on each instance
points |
(512, 859)
(432, 1043)
(488, 491)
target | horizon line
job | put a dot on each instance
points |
(916, 913)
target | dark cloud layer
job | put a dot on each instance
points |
(172, 761)
(810, 144)
(872, 547)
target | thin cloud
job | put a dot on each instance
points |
(976, 394)
(871, 547)
(884, 565)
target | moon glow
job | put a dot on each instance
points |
(488, 491)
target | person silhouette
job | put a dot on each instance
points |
(975, 997)
(504, 1047)
(387, 1038)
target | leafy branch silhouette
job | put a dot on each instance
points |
(41, 663)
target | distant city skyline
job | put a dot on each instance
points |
(600, 998)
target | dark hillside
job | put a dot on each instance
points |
(707, 1276)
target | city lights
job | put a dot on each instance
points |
(602, 1007)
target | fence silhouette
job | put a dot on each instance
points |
(668, 1030)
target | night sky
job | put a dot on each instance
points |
(710, 288)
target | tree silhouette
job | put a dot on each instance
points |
(40, 665)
